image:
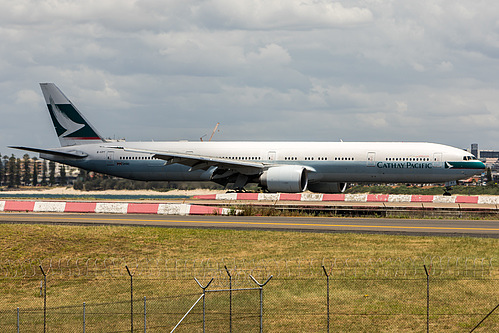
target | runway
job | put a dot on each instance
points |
(428, 227)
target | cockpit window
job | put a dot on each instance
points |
(468, 158)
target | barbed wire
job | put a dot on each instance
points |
(240, 268)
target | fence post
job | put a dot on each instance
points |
(145, 316)
(44, 299)
(17, 320)
(427, 299)
(327, 279)
(261, 285)
(131, 298)
(230, 299)
(204, 301)
(83, 317)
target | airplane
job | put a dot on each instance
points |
(325, 167)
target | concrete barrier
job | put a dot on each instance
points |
(19, 206)
(80, 207)
(109, 208)
(377, 198)
(360, 197)
(142, 208)
(421, 198)
(49, 206)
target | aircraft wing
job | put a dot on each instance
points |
(197, 162)
(69, 154)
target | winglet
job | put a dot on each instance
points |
(70, 125)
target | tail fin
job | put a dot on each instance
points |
(70, 125)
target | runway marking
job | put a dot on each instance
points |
(281, 224)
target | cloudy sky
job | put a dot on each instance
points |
(311, 70)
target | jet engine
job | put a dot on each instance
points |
(327, 187)
(289, 178)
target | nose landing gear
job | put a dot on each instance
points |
(448, 188)
(447, 191)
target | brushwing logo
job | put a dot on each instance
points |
(69, 125)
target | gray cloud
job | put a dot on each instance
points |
(276, 15)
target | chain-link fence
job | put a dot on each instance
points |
(378, 295)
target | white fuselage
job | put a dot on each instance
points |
(383, 162)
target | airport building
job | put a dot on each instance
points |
(489, 157)
(483, 154)
(489, 154)
(474, 150)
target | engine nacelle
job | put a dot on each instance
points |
(326, 187)
(289, 178)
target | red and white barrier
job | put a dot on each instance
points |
(109, 208)
(188, 209)
(363, 197)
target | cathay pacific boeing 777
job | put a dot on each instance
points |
(276, 166)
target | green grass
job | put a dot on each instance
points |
(45, 241)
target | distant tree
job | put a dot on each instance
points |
(62, 172)
(83, 175)
(12, 171)
(26, 173)
(34, 182)
(51, 172)
(44, 173)
(80, 180)
(5, 169)
(2, 171)
(18, 172)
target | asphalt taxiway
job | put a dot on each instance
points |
(433, 227)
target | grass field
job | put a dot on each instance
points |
(44, 241)
(369, 302)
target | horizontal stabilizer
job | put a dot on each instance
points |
(74, 154)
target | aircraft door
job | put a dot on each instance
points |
(371, 159)
(271, 156)
(437, 159)
(110, 158)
